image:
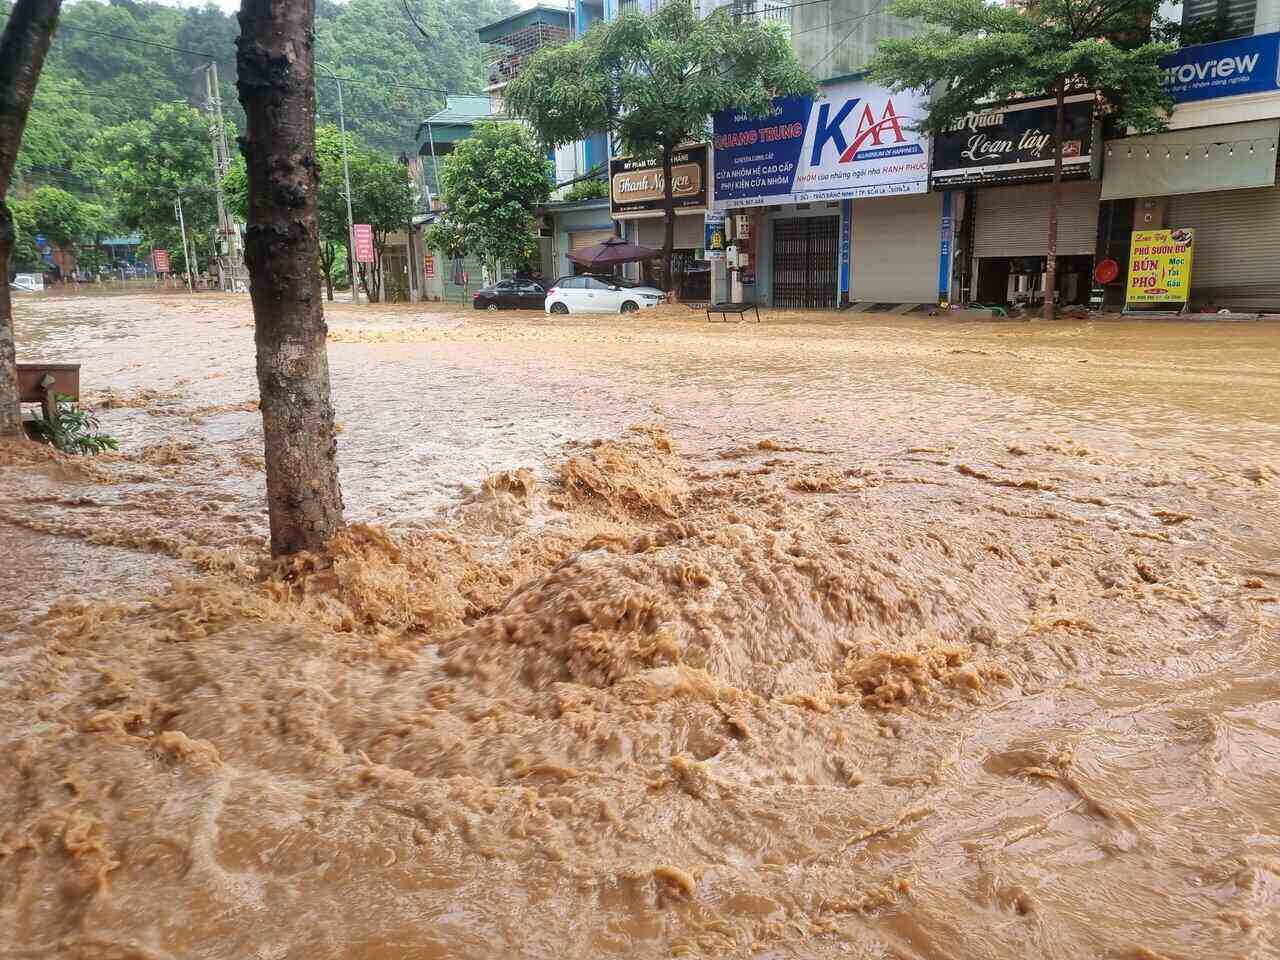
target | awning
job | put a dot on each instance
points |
(1233, 156)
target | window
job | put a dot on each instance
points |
(1220, 19)
(506, 285)
(528, 286)
(593, 283)
(572, 283)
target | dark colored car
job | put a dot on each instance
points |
(510, 295)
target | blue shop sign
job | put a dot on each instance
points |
(1227, 69)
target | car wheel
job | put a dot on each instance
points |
(559, 307)
(630, 306)
(492, 308)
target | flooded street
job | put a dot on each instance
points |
(832, 636)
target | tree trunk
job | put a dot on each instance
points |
(1055, 194)
(275, 61)
(668, 221)
(22, 51)
(326, 265)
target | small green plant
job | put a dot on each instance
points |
(587, 190)
(73, 430)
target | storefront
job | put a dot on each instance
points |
(829, 199)
(690, 269)
(569, 226)
(636, 196)
(1214, 171)
(1221, 183)
(1002, 160)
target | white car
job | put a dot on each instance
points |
(587, 294)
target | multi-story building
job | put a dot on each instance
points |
(828, 201)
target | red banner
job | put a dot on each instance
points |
(160, 260)
(429, 266)
(364, 242)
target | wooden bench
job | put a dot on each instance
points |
(43, 383)
(724, 309)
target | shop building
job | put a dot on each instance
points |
(1214, 170)
(997, 166)
(636, 200)
(827, 201)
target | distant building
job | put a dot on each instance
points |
(440, 133)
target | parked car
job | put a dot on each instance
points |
(510, 295)
(588, 294)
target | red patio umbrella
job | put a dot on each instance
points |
(612, 252)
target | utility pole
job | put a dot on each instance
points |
(188, 255)
(346, 177)
(229, 260)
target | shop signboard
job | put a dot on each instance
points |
(636, 183)
(1013, 143)
(363, 233)
(852, 140)
(1160, 266)
(1227, 69)
(160, 261)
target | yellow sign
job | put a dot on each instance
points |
(1160, 266)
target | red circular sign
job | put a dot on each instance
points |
(1106, 271)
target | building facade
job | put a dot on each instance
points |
(1214, 171)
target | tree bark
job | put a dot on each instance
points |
(275, 62)
(668, 221)
(22, 51)
(1055, 194)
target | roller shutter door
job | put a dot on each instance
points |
(690, 234)
(1236, 259)
(1014, 221)
(585, 238)
(895, 249)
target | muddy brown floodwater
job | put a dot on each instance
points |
(826, 637)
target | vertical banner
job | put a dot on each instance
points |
(713, 241)
(429, 267)
(364, 242)
(946, 234)
(1160, 266)
(846, 251)
(160, 260)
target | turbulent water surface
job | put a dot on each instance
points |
(830, 636)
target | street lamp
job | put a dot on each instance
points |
(346, 176)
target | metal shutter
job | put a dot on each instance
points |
(689, 232)
(1014, 221)
(1236, 260)
(895, 249)
(806, 261)
(585, 238)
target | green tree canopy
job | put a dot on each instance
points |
(382, 196)
(653, 82)
(491, 184)
(62, 218)
(150, 163)
(972, 52)
(25, 256)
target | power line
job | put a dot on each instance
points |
(834, 47)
